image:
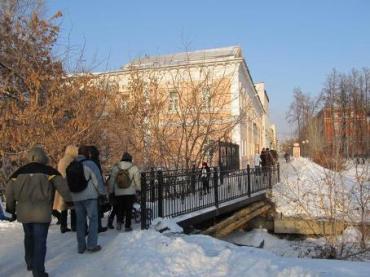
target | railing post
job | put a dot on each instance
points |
(143, 201)
(278, 172)
(270, 176)
(215, 185)
(160, 193)
(249, 179)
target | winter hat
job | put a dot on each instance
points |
(38, 155)
(83, 150)
(71, 151)
(126, 157)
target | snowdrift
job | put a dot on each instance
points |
(150, 253)
(309, 190)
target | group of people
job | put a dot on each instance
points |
(36, 191)
(267, 158)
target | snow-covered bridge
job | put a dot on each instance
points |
(189, 199)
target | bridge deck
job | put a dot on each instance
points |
(212, 212)
(190, 199)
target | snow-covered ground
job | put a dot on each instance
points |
(309, 190)
(260, 238)
(150, 253)
(296, 247)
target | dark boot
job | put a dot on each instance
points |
(110, 225)
(64, 230)
(110, 221)
(102, 229)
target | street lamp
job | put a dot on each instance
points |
(304, 142)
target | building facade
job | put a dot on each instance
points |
(345, 131)
(208, 90)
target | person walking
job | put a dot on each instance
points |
(86, 184)
(94, 156)
(205, 174)
(257, 163)
(287, 157)
(29, 196)
(70, 154)
(269, 158)
(124, 181)
(263, 157)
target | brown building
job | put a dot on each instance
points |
(346, 131)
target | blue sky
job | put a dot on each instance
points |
(286, 43)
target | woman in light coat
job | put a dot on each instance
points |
(125, 197)
(70, 154)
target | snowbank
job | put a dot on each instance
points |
(165, 225)
(309, 190)
(150, 253)
(260, 238)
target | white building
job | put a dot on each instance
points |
(251, 133)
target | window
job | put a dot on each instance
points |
(206, 99)
(174, 102)
(124, 101)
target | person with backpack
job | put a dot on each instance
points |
(205, 174)
(86, 184)
(124, 182)
(29, 197)
(102, 200)
(70, 154)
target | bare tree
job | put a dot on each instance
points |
(40, 103)
(174, 118)
(301, 111)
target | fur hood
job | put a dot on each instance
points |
(71, 151)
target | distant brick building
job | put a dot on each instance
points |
(346, 131)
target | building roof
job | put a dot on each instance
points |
(225, 53)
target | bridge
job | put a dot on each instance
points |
(190, 199)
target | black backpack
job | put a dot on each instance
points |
(76, 177)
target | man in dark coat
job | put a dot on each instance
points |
(29, 195)
(205, 174)
(263, 157)
(269, 158)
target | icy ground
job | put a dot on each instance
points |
(150, 253)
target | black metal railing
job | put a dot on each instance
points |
(174, 193)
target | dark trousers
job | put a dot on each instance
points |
(63, 219)
(124, 208)
(35, 236)
(112, 214)
(100, 216)
(205, 183)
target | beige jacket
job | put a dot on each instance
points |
(69, 155)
